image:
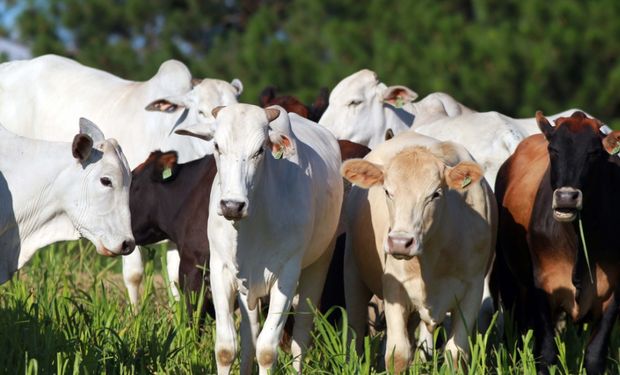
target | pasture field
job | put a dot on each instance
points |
(66, 312)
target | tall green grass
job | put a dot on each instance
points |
(67, 313)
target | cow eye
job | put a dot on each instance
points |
(216, 147)
(258, 153)
(201, 113)
(105, 181)
(354, 103)
(436, 194)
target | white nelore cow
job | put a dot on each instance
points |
(47, 94)
(421, 238)
(55, 191)
(362, 109)
(275, 206)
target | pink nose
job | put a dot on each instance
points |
(400, 245)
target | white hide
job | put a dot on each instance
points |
(358, 111)
(282, 247)
(47, 195)
(48, 94)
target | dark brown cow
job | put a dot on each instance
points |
(171, 201)
(292, 104)
(552, 181)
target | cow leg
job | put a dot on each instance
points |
(224, 291)
(133, 269)
(398, 347)
(311, 283)
(425, 341)
(173, 261)
(596, 352)
(249, 333)
(464, 317)
(544, 347)
(281, 296)
(357, 295)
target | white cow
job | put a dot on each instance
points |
(49, 93)
(362, 109)
(56, 191)
(274, 206)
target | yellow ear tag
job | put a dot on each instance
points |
(466, 182)
(400, 102)
(166, 173)
(278, 154)
(616, 149)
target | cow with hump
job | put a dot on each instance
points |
(556, 184)
(140, 115)
(59, 191)
(420, 237)
(274, 211)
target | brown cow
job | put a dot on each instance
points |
(567, 173)
(312, 112)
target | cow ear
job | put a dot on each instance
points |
(611, 143)
(202, 131)
(89, 128)
(389, 134)
(168, 105)
(362, 173)
(279, 143)
(398, 96)
(82, 146)
(543, 124)
(216, 110)
(237, 85)
(165, 166)
(463, 175)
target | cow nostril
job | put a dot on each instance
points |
(240, 206)
(409, 243)
(574, 196)
(128, 246)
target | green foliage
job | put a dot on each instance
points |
(511, 56)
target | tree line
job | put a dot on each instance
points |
(511, 56)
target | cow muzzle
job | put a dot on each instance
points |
(233, 209)
(125, 248)
(401, 246)
(566, 203)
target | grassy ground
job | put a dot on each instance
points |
(66, 312)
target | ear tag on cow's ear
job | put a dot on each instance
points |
(466, 182)
(400, 102)
(277, 154)
(166, 173)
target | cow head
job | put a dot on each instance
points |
(245, 135)
(417, 184)
(96, 198)
(357, 108)
(196, 105)
(576, 148)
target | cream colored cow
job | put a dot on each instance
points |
(421, 238)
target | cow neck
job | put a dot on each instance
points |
(42, 219)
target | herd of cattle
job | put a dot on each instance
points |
(441, 206)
